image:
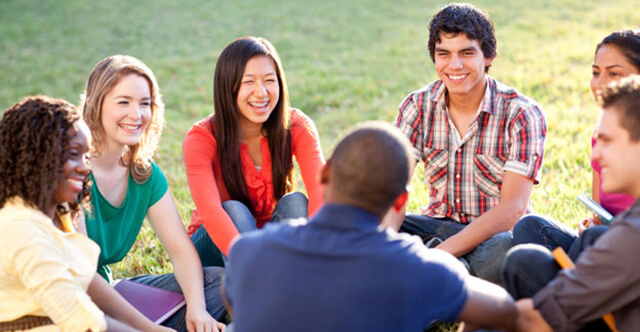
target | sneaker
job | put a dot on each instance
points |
(433, 242)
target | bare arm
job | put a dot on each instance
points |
(595, 186)
(167, 224)
(305, 141)
(116, 326)
(488, 306)
(514, 197)
(114, 305)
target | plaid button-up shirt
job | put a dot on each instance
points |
(465, 173)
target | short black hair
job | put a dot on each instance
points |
(464, 18)
(624, 97)
(370, 166)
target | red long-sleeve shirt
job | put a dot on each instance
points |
(209, 191)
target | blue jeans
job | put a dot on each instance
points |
(552, 234)
(485, 261)
(212, 280)
(290, 206)
(528, 268)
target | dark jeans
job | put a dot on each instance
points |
(530, 267)
(212, 281)
(485, 261)
(290, 206)
(552, 234)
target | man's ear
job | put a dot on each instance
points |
(401, 201)
(324, 172)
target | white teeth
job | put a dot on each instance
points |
(76, 183)
(457, 77)
(263, 104)
(131, 127)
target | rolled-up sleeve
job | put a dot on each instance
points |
(528, 132)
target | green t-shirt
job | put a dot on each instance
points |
(115, 229)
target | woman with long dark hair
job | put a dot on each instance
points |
(239, 161)
(616, 56)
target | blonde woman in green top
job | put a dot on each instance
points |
(123, 108)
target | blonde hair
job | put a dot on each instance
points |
(104, 77)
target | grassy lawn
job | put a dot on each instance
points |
(346, 62)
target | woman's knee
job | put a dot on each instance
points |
(291, 205)
(240, 215)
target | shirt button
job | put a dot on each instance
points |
(459, 150)
(458, 176)
(458, 200)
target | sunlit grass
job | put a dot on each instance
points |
(346, 62)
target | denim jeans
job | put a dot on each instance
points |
(290, 206)
(485, 261)
(552, 234)
(212, 281)
(528, 268)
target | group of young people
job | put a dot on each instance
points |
(70, 172)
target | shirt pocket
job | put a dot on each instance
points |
(436, 167)
(488, 174)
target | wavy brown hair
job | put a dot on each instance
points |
(226, 123)
(34, 146)
(104, 77)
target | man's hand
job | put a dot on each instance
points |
(530, 319)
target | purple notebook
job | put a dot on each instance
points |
(155, 303)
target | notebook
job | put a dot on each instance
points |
(155, 303)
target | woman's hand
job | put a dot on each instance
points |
(586, 223)
(199, 320)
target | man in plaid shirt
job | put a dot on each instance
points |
(481, 143)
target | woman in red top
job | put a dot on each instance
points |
(239, 160)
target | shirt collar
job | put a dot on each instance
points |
(345, 217)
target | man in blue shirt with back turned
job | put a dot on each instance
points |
(342, 271)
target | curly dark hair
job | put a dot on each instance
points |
(464, 18)
(34, 143)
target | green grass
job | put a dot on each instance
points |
(346, 62)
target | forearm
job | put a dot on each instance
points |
(114, 325)
(201, 165)
(188, 271)
(514, 198)
(499, 219)
(595, 186)
(489, 306)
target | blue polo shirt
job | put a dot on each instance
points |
(340, 272)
